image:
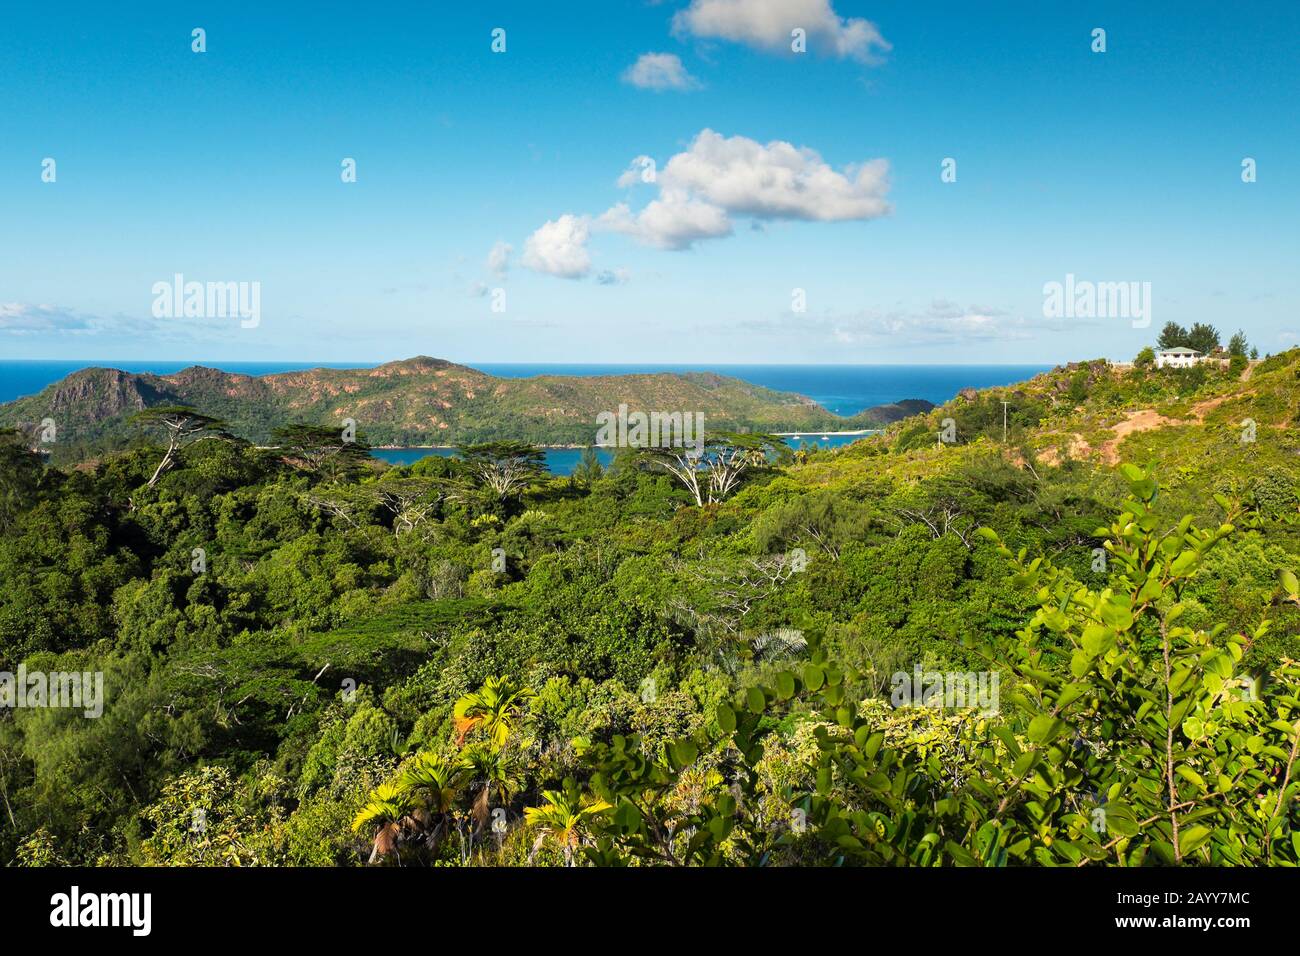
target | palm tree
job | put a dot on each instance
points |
(384, 815)
(494, 777)
(497, 708)
(434, 783)
(562, 819)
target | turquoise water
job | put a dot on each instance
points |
(563, 461)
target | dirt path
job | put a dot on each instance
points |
(1140, 421)
(1200, 409)
(1148, 418)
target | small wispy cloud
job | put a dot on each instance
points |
(941, 323)
(21, 317)
(54, 322)
(498, 260)
(25, 318)
(660, 72)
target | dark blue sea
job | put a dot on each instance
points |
(842, 389)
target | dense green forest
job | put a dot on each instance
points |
(310, 658)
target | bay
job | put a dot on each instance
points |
(842, 389)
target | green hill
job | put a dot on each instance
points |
(418, 401)
(364, 667)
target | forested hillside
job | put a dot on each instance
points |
(314, 659)
(417, 401)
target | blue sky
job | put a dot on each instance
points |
(817, 171)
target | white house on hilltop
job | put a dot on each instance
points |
(1180, 357)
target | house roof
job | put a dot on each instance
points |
(1181, 350)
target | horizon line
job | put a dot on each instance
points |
(473, 362)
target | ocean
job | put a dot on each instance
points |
(842, 389)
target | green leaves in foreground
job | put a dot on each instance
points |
(1124, 736)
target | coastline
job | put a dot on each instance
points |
(454, 447)
(818, 433)
(814, 433)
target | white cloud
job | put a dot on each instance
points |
(559, 248)
(701, 189)
(659, 72)
(498, 260)
(612, 276)
(54, 322)
(766, 24)
(20, 317)
(640, 170)
(943, 323)
(926, 329)
(674, 222)
(776, 181)
(717, 177)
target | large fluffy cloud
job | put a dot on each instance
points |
(719, 177)
(766, 24)
(559, 248)
(701, 190)
(659, 71)
(776, 181)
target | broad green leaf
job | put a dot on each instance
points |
(1044, 728)
(1192, 838)
(726, 719)
(1289, 583)
(1187, 773)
